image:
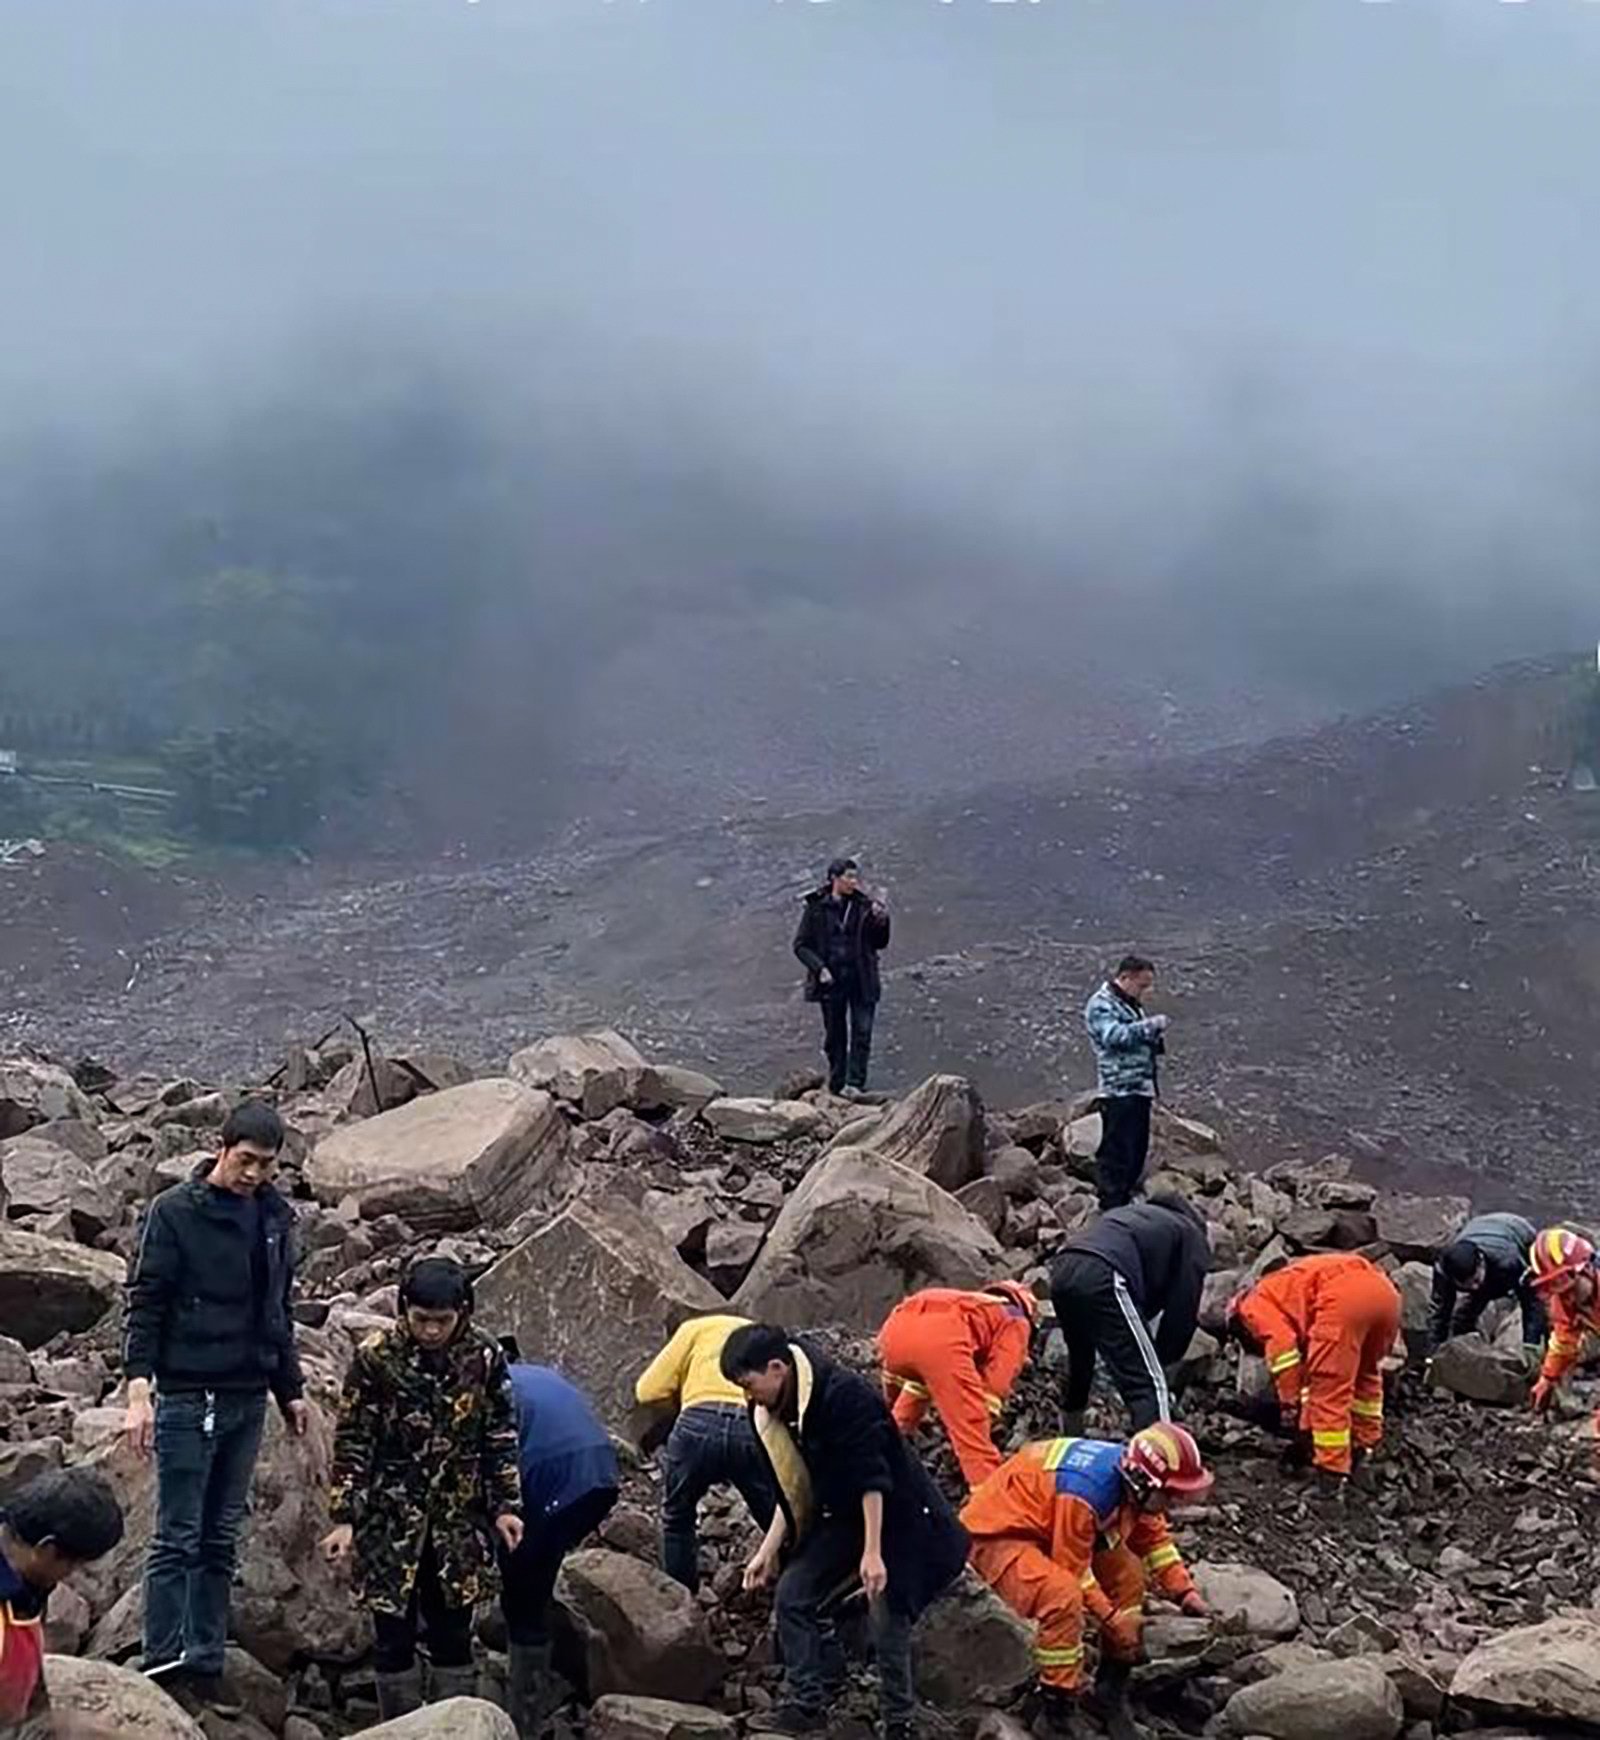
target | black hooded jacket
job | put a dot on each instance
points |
(867, 932)
(204, 1311)
(1161, 1250)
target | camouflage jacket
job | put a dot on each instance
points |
(426, 1448)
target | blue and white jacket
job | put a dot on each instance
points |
(1126, 1044)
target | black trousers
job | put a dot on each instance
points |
(846, 1036)
(449, 1628)
(1124, 1148)
(528, 1576)
(1098, 1318)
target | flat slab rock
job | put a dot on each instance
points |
(48, 1285)
(454, 1719)
(96, 1700)
(762, 1122)
(1343, 1700)
(1249, 1598)
(624, 1718)
(1550, 1670)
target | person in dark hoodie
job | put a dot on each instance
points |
(1488, 1260)
(861, 1519)
(841, 933)
(1111, 1282)
(208, 1325)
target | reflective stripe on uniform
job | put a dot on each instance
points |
(1059, 1657)
(1284, 1361)
(1088, 1581)
(1367, 1410)
(1161, 1557)
(910, 1386)
(993, 1403)
(1055, 1451)
(1331, 1440)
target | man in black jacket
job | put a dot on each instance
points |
(1488, 1260)
(209, 1324)
(841, 933)
(864, 1516)
(1110, 1283)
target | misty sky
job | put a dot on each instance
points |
(1128, 287)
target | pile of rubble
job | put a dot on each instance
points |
(600, 1198)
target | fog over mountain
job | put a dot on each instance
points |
(698, 397)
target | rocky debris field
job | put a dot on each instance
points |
(599, 1197)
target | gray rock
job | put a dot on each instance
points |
(971, 1649)
(1469, 1366)
(596, 1293)
(985, 1198)
(936, 1131)
(666, 1088)
(622, 1718)
(454, 1719)
(95, 1700)
(1346, 1700)
(1015, 1170)
(1419, 1226)
(34, 1093)
(596, 1072)
(48, 1285)
(731, 1247)
(42, 1178)
(625, 1627)
(1550, 1671)
(15, 1366)
(857, 1235)
(762, 1122)
(470, 1156)
(1251, 1599)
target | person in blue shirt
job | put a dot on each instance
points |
(569, 1484)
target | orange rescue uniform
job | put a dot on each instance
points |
(962, 1352)
(1570, 1322)
(1053, 1534)
(1326, 1325)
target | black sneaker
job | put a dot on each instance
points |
(791, 1718)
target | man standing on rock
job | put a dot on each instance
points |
(1111, 1282)
(425, 1475)
(862, 1515)
(712, 1442)
(209, 1327)
(842, 931)
(1127, 1047)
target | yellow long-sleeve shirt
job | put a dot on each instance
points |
(688, 1370)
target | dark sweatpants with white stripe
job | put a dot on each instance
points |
(1098, 1317)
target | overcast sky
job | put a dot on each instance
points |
(1098, 275)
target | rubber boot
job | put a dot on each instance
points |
(399, 1694)
(1109, 1700)
(528, 1687)
(452, 1682)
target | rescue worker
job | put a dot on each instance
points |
(1074, 1525)
(424, 1469)
(1112, 1281)
(1489, 1260)
(712, 1442)
(1567, 1273)
(1325, 1325)
(962, 1352)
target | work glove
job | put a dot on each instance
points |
(1122, 1635)
(1194, 1604)
(1544, 1393)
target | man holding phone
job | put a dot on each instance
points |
(841, 933)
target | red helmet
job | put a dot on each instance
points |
(1020, 1294)
(1168, 1457)
(1558, 1253)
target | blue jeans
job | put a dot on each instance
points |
(712, 1444)
(206, 1446)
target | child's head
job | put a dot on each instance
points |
(57, 1523)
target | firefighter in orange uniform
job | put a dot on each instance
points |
(962, 1352)
(1325, 1326)
(1566, 1275)
(1074, 1524)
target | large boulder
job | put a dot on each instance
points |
(1419, 1226)
(1468, 1365)
(454, 1719)
(42, 1178)
(856, 1237)
(595, 1293)
(623, 1626)
(596, 1072)
(972, 1649)
(1245, 1599)
(619, 1718)
(1340, 1700)
(48, 1285)
(762, 1122)
(94, 1700)
(1550, 1671)
(34, 1093)
(473, 1155)
(937, 1131)
(665, 1087)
